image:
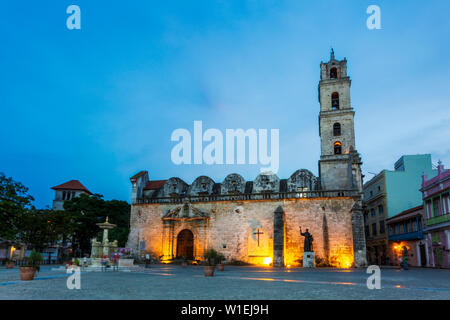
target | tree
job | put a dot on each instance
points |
(14, 204)
(20, 220)
(86, 211)
(37, 230)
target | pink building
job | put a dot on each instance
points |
(436, 202)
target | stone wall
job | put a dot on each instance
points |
(244, 231)
(334, 173)
(327, 137)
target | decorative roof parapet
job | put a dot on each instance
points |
(254, 196)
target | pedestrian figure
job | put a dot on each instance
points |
(103, 263)
(405, 258)
(116, 262)
(85, 263)
(147, 258)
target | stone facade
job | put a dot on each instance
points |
(247, 230)
(258, 221)
(336, 126)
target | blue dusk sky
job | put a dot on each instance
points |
(100, 104)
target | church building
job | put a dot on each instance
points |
(258, 222)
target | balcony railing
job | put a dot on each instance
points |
(406, 236)
(438, 219)
(252, 196)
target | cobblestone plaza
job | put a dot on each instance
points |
(175, 282)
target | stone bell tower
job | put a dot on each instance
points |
(339, 164)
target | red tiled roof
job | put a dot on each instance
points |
(137, 175)
(72, 185)
(404, 213)
(155, 184)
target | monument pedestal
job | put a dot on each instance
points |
(308, 259)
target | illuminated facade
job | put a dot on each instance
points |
(11, 250)
(258, 221)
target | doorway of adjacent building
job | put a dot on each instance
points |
(438, 256)
(185, 244)
(423, 256)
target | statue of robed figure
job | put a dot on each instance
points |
(308, 240)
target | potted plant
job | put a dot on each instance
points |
(28, 271)
(211, 256)
(9, 264)
(220, 258)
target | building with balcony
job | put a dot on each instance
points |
(436, 204)
(406, 230)
(389, 193)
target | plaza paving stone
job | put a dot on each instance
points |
(176, 282)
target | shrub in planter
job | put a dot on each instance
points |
(220, 257)
(28, 271)
(211, 256)
(9, 264)
(238, 263)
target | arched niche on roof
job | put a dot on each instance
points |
(302, 180)
(266, 182)
(203, 185)
(175, 186)
(233, 183)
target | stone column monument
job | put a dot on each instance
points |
(278, 237)
(105, 247)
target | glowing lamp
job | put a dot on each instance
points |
(267, 260)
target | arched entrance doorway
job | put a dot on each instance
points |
(185, 244)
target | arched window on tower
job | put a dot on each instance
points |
(337, 147)
(336, 129)
(333, 73)
(334, 101)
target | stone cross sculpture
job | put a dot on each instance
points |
(308, 240)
